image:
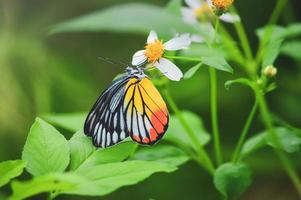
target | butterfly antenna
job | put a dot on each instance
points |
(108, 60)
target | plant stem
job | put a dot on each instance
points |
(213, 104)
(184, 58)
(244, 132)
(201, 151)
(271, 131)
(243, 38)
(214, 115)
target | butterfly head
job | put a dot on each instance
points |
(136, 72)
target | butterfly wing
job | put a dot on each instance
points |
(145, 112)
(105, 122)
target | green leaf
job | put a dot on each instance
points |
(293, 30)
(10, 169)
(242, 81)
(106, 178)
(218, 63)
(69, 121)
(42, 184)
(290, 141)
(252, 144)
(177, 134)
(231, 180)
(81, 148)
(192, 71)
(292, 49)
(162, 153)
(123, 18)
(116, 153)
(271, 52)
(45, 150)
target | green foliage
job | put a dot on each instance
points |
(123, 18)
(117, 153)
(176, 133)
(10, 169)
(70, 121)
(162, 153)
(292, 49)
(272, 44)
(192, 71)
(105, 178)
(45, 150)
(232, 179)
(41, 184)
(80, 149)
(290, 141)
(217, 62)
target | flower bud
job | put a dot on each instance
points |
(270, 71)
(221, 6)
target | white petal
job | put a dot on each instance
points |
(138, 58)
(189, 16)
(152, 37)
(197, 38)
(193, 3)
(230, 18)
(169, 69)
(179, 42)
(209, 2)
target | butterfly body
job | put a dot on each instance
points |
(130, 106)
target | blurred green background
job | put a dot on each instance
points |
(61, 73)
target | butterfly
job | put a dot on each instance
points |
(130, 107)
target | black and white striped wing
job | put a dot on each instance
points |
(105, 123)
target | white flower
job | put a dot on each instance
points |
(154, 54)
(201, 9)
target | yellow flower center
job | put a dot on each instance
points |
(222, 4)
(203, 10)
(154, 51)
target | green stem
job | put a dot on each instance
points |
(288, 167)
(244, 132)
(201, 151)
(213, 104)
(184, 58)
(243, 38)
(214, 115)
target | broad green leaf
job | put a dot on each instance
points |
(128, 18)
(218, 63)
(106, 178)
(177, 134)
(45, 150)
(242, 81)
(274, 36)
(290, 140)
(69, 121)
(231, 180)
(10, 169)
(252, 144)
(271, 52)
(46, 183)
(192, 71)
(162, 153)
(292, 49)
(116, 153)
(81, 148)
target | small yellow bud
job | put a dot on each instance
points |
(270, 71)
(221, 6)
